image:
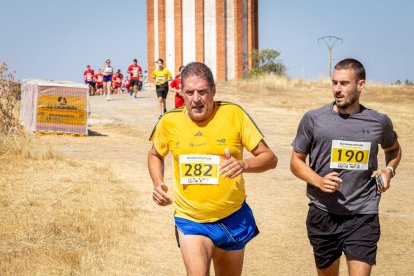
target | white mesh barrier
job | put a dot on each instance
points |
(54, 106)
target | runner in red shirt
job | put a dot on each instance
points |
(118, 77)
(127, 84)
(99, 82)
(175, 86)
(88, 76)
(135, 70)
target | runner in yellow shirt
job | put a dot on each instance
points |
(206, 139)
(162, 76)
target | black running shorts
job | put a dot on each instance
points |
(162, 90)
(134, 83)
(329, 234)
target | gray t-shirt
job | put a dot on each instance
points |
(347, 144)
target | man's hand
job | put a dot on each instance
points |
(230, 167)
(330, 183)
(386, 177)
(159, 195)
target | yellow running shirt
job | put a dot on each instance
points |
(200, 193)
(161, 76)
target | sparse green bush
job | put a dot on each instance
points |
(407, 82)
(265, 62)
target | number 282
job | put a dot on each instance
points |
(198, 169)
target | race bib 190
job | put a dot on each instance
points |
(350, 155)
(199, 169)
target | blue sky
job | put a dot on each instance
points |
(54, 39)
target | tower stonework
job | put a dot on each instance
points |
(220, 33)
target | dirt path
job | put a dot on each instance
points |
(119, 139)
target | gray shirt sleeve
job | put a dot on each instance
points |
(389, 137)
(303, 140)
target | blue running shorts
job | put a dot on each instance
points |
(230, 233)
(107, 78)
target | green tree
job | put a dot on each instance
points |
(408, 82)
(265, 61)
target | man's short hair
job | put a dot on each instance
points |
(135, 60)
(160, 60)
(353, 64)
(197, 69)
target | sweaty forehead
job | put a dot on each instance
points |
(195, 83)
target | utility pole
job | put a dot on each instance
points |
(330, 42)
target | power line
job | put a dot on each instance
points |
(330, 42)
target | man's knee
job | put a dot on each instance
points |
(228, 262)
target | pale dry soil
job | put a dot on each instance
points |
(97, 190)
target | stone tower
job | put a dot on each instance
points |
(220, 33)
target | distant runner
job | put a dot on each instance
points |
(99, 82)
(118, 77)
(127, 84)
(162, 76)
(135, 72)
(88, 76)
(107, 72)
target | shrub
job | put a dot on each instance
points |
(265, 62)
(9, 91)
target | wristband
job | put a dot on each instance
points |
(392, 170)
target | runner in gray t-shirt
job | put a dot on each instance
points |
(342, 141)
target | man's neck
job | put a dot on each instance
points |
(348, 110)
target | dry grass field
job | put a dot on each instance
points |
(83, 206)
